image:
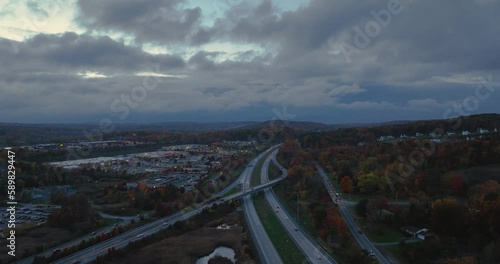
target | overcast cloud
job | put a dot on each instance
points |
(237, 60)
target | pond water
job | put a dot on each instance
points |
(220, 251)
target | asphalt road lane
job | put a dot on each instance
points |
(265, 248)
(362, 240)
(89, 254)
(311, 250)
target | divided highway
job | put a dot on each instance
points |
(89, 254)
(265, 248)
(362, 240)
(311, 250)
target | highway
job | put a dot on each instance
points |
(362, 240)
(75, 242)
(265, 248)
(310, 249)
(89, 254)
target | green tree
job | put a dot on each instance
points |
(369, 183)
(448, 217)
(361, 207)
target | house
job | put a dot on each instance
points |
(465, 133)
(384, 138)
(418, 134)
(483, 131)
(420, 233)
(385, 215)
(403, 136)
(450, 133)
(433, 134)
(411, 230)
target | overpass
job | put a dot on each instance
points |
(254, 189)
(89, 254)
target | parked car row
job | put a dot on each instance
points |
(26, 214)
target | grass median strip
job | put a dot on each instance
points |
(306, 220)
(286, 247)
(255, 180)
(273, 172)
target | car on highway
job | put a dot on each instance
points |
(93, 233)
(318, 256)
(360, 231)
(296, 229)
(139, 235)
(164, 223)
(372, 254)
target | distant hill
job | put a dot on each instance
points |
(12, 134)
(183, 126)
(15, 134)
(352, 135)
(299, 125)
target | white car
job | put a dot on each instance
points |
(140, 235)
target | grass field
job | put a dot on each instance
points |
(286, 247)
(305, 218)
(233, 191)
(288, 251)
(255, 180)
(273, 172)
(395, 251)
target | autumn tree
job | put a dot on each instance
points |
(346, 185)
(75, 212)
(142, 186)
(458, 184)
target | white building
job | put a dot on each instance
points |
(483, 131)
(384, 138)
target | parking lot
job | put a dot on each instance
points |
(26, 214)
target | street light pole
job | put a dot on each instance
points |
(298, 207)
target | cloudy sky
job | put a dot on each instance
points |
(332, 61)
